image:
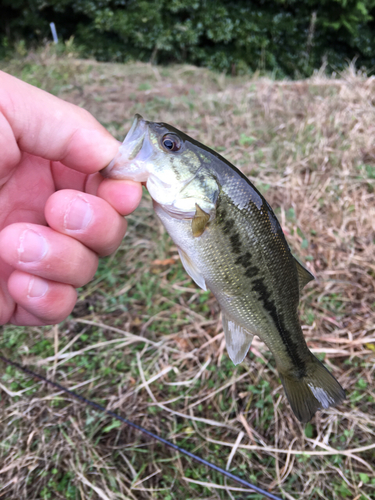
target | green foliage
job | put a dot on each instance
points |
(286, 37)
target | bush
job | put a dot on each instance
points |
(289, 38)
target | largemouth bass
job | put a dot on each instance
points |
(230, 242)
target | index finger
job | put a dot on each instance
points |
(36, 122)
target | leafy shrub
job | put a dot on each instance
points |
(287, 37)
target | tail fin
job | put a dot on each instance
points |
(317, 390)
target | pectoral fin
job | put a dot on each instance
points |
(304, 276)
(238, 339)
(199, 222)
(192, 269)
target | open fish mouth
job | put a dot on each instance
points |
(131, 160)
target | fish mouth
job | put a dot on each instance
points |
(131, 159)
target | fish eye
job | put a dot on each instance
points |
(171, 142)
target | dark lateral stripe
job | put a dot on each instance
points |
(286, 337)
(251, 271)
(235, 241)
(245, 261)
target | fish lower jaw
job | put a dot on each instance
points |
(173, 212)
(126, 170)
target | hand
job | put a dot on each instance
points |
(57, 214)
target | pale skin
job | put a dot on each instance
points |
(57, 214)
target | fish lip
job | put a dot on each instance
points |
(129, 149)
(137, 121)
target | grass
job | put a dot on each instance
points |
(144, 341)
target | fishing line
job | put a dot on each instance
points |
(141, 429)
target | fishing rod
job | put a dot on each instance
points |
(141, 429)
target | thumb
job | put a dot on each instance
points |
(41, 124)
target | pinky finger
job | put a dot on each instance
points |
(40, 301)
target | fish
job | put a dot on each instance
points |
(230, 242)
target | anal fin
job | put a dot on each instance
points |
(192, 269)
(238, 340)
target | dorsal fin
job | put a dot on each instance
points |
(304, 276)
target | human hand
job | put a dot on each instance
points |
(57, 214)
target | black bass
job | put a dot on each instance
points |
(230, 242)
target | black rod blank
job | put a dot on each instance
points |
(142, 429)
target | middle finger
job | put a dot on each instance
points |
(87, 218)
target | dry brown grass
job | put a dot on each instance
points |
(144, 341)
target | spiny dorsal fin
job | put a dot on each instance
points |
(199, 222)
(304, 276)
(237, 339)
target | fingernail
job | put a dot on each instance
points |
(33, 247)
(37, 287)
(79, 214)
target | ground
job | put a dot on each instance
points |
(144, 341)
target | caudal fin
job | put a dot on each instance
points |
(317, 390)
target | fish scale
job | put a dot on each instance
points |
(230, 242)
(239, 296)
